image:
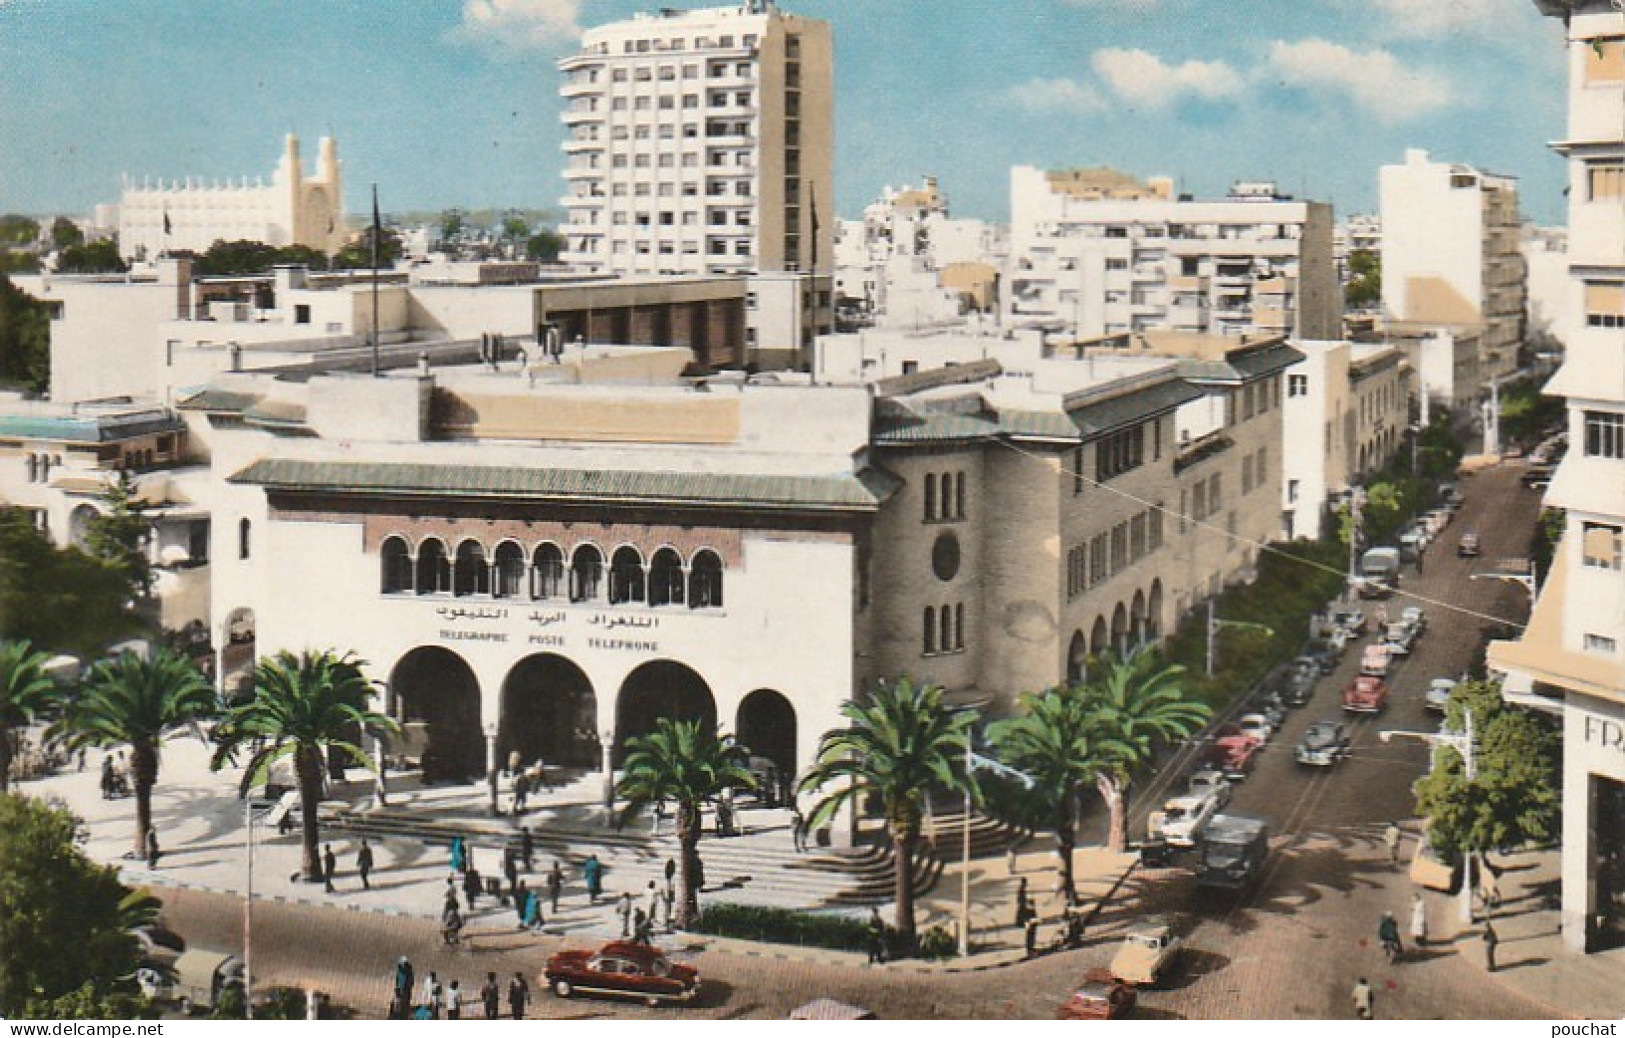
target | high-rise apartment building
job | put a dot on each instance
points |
(1451, 254)
(701, 142)
(1101, 253)
(1573, 648)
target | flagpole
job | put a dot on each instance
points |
(377, 233)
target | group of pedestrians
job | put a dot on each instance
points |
(638, 921)
(439, 1000)
(327, 866)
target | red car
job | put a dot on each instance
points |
(1099, 997)
(1365, 695)
(1233, 752)
(622, 969)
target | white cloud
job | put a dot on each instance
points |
(1058, 95)
(520, 24)
(1374, 80)
(1431, 17)
(1140, 77)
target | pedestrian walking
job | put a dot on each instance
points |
(1489, 891)
(670, 892)
(1362, 999)
(652, 900)
(514, 761)
(798, 830)
(1419, 921)
(471, 886)
(405, 977)
(454, 1002)
(527, 847)
(330, 865)
(657, 812)
(1030, 936)
(107, 778)
(875, 935)
(1391, 836)
(153, 852)
(81, 760)
(623, 908)
(642, 928)
(510, 869)
(520, 896)
(491, 997)
(1024, 905)
(593, 872)
(1010, 861)
(363, 863)
(518, 995)
(433, 995)
(459, 854)
(1491, 940)
(521, 793)
(533, 911)
(1388, 935)
(555, 885)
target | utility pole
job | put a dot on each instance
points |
(248, 913)
(1462, 743)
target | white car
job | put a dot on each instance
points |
(1182, 819)
(1256, 726)
(1414, 618)
(1374, 661)
(1209, 782)
(1438, 694)
(1398, 638)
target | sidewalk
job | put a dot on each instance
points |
(1532, 959)
(201, 830)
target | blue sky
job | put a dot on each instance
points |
(454, 102)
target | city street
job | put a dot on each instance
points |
(1291, 948)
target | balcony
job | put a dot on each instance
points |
(577, 116)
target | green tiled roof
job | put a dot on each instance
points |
(1242, 366)
(933, 427)
(1097, 419)
(863, 491)
(87, 428)
(212, 399)
(895, 427)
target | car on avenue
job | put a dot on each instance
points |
(1469, 546)
(1233, 753)
(1181, 819)
(1257, 726)
(1147, 951)
(1324, 743)
(1099, 996)
(1398, 638)
(622, 969)
(1375, 659)
(1366, 694)
(1414, 618)
(1209, 782)
(1438, 694)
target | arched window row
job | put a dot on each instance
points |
(944, 496)
(546, 573)
(943, 629)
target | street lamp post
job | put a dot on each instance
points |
(491, 765)
(607, 743)
(964, 872)
(248, 912)
(1462, 743)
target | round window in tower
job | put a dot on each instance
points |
(945, 556)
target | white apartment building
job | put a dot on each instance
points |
(295, 208)
(909, 263)
(701, 142)
(1099, 253)
(1546, 258)
(1450, 255)
(1572, 653)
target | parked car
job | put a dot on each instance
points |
(1438, 694)
(1374, 661)
(1181, 819)
(624, 970)
(1233, 754)
(1415, 618)
(1398, 637)
(1324, 744)
(1100, 996)
(1468, 546)
(200, 978)
(1350, 620)
(1365, 695)
(1209, 782)
(1450, 495)
(1257, 726)
(1271, 705)
(831, 1009)
(1146, 953)
(1538, 477)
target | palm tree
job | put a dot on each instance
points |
(1131, 705)
(26, 693)
(898, 746)
(1056, 741)
(689, 764)
(302, 707)
(137, 702)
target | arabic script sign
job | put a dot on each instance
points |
(548, 628)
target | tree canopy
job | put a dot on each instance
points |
(62, 938)
(62, 600)
(545, 246)
(357, 254)
(25, 339)
(65, 233)
(97, 257)
(18, 230)
(228, 258)
(1516, 795)
(119, 535)
(1364, 287)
